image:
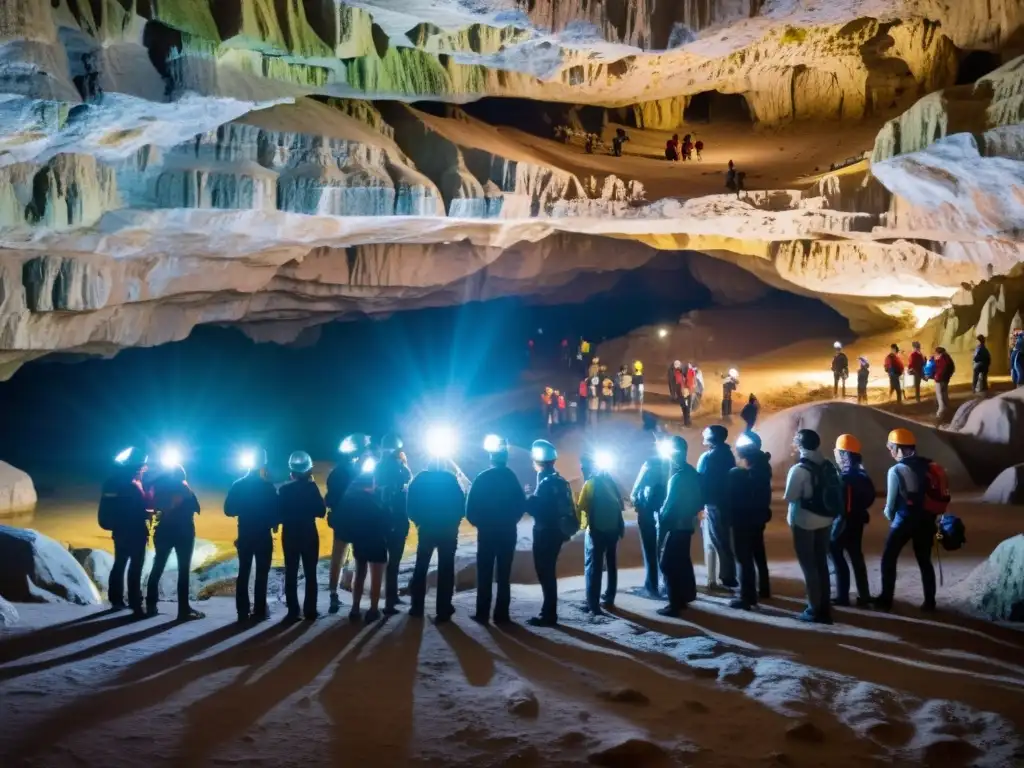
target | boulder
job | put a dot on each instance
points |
(870, 425)
(996, 587)
(17, 493)
(36, 569)
(8, 614)
(990, 435)
(98, 563)
(521, 700)
(1007, 488)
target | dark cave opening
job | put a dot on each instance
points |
(975, 65)
(717, 107)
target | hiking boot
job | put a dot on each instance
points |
(928, 606)
(807, 616)
(542, 621)
(335, 605)
(671, 611)
(864, 602)
(390, 610)
(244, 618)
(740, 604)
(480, 619)
(190, 614)
(372, 615)
(354, 614)
(416, 612)
(151, 610)
(291, 617)
(608, 604)
(118, 606)
(312, 616)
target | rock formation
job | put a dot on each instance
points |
(36, 569)
(279, 165)
(995, 589)
(17, 493)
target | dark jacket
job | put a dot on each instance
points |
(749, 414)
(436, 503)
(862, 377)
(858, 494)
(840, 364)
(496, 501)
(253, 501)
(124, 507)
(176, 507)
(300, 504)
(749, 493)
(547, 499)
(982, 358)
(684, 500)
(392, 478)
(651, 486)
(338, 481)
(714, 466)
(944, 367)
(359, 513)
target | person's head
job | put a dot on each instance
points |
(731, 166)
(715, 435)
(131, 463)
(677, 450)
(981, 339)
(497, 450)
(916, 345)
(807, 440)
(894, 348)
(940, 350)
(752, 400)
(901, 443)
(390, 443)
(543, 454)
(175, 475)
(748, 447)
(863, 362)
(847, 452)
(300, 465)
(838, 347)
(678, 365)
(675, 137)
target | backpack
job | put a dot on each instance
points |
(952, 533)
(827, 496)
(929, 368)
(859, 491)
(107, 513)
(567, 518)
(933, 496)
(606, 505)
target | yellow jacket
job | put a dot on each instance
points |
(585, 503)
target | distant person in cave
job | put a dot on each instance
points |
(862, 380)
(252, 501)
(124, 510)
(176, 507)
(944, 370)
(1017, 359)
(840, 370)
(698, 148)
(625, 387)
(678, 390)
(588, 144)
(300, 505)
(730, 177)
(607, 392)
(750, 412)
(618, 140)
(893, 366)
(730, 381)
(687, 147)
(982, 362)
(915, 364)
(391, 479)
(672, 148)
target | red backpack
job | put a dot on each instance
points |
(933, 497)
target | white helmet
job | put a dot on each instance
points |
(677, 364)
(300, 463)
(838, 345)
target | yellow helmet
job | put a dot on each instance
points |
(548, 390)
(902, 436)
(848, 443)
(638, 366)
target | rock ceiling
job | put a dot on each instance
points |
(275, 164)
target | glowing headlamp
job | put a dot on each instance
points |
(170, 457)
(440, 442)
(665, 448)
(734, 373)
(247, 460)
(743, 442)
(369, 465)
(604, 461)
(492, 444)
(123, 456)
(662, 333)
(348, 445)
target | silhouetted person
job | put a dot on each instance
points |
(893, 366)
(915, 364)
(648, 496)
(300, 506)
(176, 506)
(436, 506)
(982, 362)
(713, 467)
(391, 479)
(750, 412)
(355, 450)
(253, 501)
(748, 500)
(676, 522)
(554, 522)
(848, 528)
(840, 370)
(600, 507)
(618, 140)
(124, 510)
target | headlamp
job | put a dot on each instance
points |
(170, 457)
(440, 442)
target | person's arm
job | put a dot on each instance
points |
(892, 493)
(473, 503)
(583, 503)
(317, 500)
(457, 501)
(794, 492)
(413, 507)
(231, 502)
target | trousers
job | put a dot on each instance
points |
(547, 545)
(847, 543)
(182, 546)
(896, 385)
(258, 550)
(396, 548)
(444, 545)
(130, 554)
(301, 548)
(752, 562)
(918, 531)
(812, 554)
(649, 548)
(494, 552)
(600, 549)
(677, 568)
(715, 530)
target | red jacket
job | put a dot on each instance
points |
(691, 379)
(916, 363)
(943, 368)
(893, 364)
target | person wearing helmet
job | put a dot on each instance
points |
(840, 370)
(252, 500)
(748, 500)
(848, 529)
(678, 390)
(648, 496)
(124, 510)
(713, 467)
(176, 506)
(368, 524)
(436, 505)
(677, 519)
(638, 382)
(594, 368)
(391, 478)
(893, 366)
(354, 449)
(863, 373)
(300, 504)
(982, 362)
(944, 370)
(730, 381)
(495, 506)
(905, 484)
(554, 522)
(600, 508)
(915, 364)
(811, 530)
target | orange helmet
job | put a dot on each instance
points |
(848, 443)
(902, 436)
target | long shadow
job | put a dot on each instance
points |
(110, 704)
(49, 638)
(120, 641)
(232, 709)
(161, 661)
(476, 662)
(381, 726)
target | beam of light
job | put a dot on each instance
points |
(604, 461)
(440, 441)
(492, 444)
(662, 333)
(369, 465)
(665, 449)
(734, 373)
(743, 441)
(170, 456)
(122, 457)
(348, 445)
(247, 460)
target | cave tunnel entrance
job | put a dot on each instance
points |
(539, 118)
(717, 107)
(975, 65)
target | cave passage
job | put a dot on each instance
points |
(975, 65)
(716, 107)
(539, 118)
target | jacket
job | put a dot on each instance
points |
(496, 501)
(893, 365)
(253, 501)
(436, 503)
(749, 414)
(600, 505)
(904, 480)
(650, 487)
(360, 514)
(547, 500)
(683, 501)
(943, 368)
(840, 363)
(982, 358)
(176, 507)
(299, 505)
(391, 478)
(916, 363)
(858, 494)
(748, 494)
(713, 467)
(862, 377)
(124, 506)
(676, 383)
(338, 481)
(800, 488)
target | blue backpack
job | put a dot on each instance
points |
(929, 368)
(952, 533)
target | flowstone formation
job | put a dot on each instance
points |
(276, 166)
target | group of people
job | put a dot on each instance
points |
(684, 150)
(938, 368)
